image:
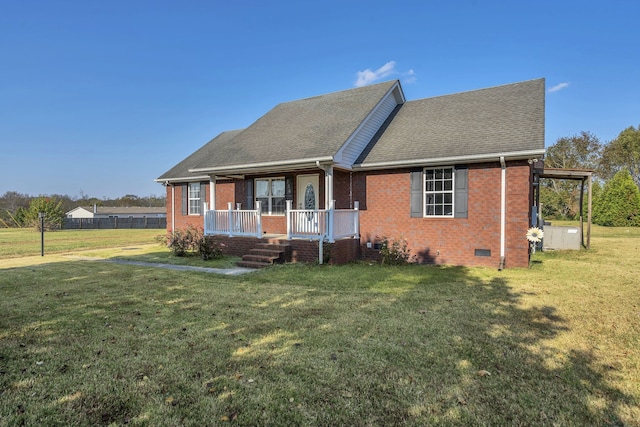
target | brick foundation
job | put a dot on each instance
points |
(340, 252)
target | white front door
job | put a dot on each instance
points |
(307, 199)
(307, 193)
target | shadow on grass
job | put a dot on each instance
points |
(296, 344)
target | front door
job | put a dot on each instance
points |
(307, 199)
(307, 193)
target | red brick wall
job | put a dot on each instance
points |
(183, 221)
(385, 211)
(453, 240)
(225, 192)
(349, 187)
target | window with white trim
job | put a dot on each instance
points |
(194, 198)
(271, 192)
(438, 192)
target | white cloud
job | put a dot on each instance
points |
(367, 76)
(409, 76)
(558, 87)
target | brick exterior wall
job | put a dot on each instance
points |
(183, 221)
(384, 198)
(453, 240)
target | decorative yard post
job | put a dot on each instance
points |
(41, 215)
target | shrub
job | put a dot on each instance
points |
(53, 214)
(180, 242)
(210, 248)
(192, 240)
(396, 252)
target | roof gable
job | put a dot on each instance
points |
(307, 129)
(485, 122)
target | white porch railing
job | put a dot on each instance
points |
(234, 222)
(315, 224)
(322, 224)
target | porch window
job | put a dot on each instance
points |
(271, 192)
(194, 198)
(438, 192)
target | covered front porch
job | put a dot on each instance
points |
(291, 204)
(308, 225)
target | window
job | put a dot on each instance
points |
(271, 192)
(438, 192)
(194, 198)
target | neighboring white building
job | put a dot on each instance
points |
(116, 212)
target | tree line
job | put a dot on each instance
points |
(21, 210)
(616, 178)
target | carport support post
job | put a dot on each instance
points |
(589, 201)
(41, 216)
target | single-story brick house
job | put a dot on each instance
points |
(453, 175)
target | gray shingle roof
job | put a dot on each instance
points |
(209, 150)
(299, 130)
(503, 119)
(494, 121)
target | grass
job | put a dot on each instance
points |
(19, 242)
(126, 244)
(86, 343)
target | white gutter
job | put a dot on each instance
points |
(185, 179)
(264, 165)
(491, 157)
(503, 211)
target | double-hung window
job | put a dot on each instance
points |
(438, 192)
(271, 193)
(194, 198)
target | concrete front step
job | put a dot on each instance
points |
(253, 264)
(260, 258)
(266, 254)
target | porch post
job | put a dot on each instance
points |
(259, 218)
(330, 221)
(328, 186)
(230, 218)
(356, 219)
(288, 215)
(212, 192)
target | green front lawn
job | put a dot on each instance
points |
(88, 343)
(20, 242)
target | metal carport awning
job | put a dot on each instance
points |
(583, 175)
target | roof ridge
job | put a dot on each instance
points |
(479, 90)
(387, 82)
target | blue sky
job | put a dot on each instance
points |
(102, 97)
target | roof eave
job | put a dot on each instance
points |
(181, 179)
(478, 158)
(266, 167)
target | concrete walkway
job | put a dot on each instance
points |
(225, 271)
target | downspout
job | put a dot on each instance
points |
(503, 211)
(328, 205)
(173, 208)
